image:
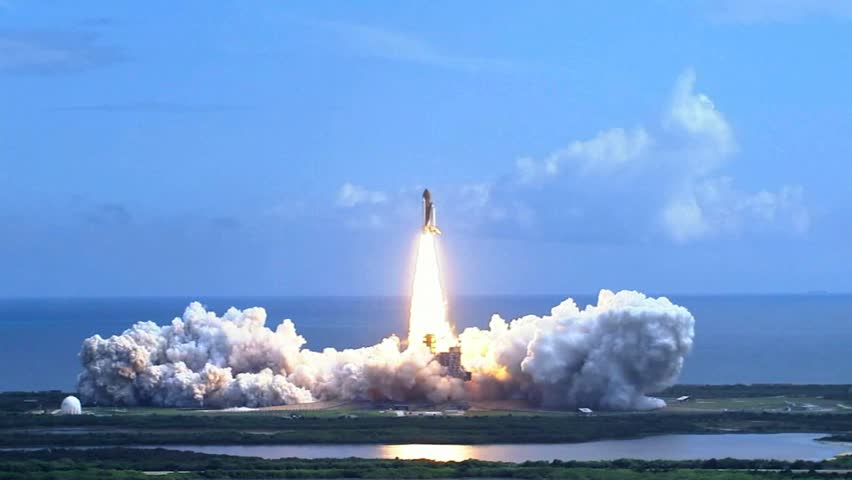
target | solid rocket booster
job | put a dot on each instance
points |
(429, 214)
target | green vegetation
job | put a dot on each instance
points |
(118, 463)
(747, 408)
(711, 409)
(46, 430)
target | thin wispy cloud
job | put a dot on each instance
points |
(351, 195)
(153, 107)
(48, 52)
(392, 45)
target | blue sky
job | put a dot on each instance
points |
(280, 148)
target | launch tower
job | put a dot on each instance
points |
(451, 359)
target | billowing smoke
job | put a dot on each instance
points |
(605, 356)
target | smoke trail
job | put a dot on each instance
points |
(608, 356)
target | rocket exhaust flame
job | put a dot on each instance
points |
(428, 304)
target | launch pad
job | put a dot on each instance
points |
(451, 359)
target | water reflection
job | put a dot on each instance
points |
(778, 446)
(442, 453)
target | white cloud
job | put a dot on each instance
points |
(706, 203)
(623, 184)
(674, 175)
(351, 195)
(715, 207)
(684, 219)
(606, 151)
(695, 115)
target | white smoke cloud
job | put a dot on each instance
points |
(609, 355)
(605, 356)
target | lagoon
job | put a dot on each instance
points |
(782, 446)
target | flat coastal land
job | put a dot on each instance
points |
(26, 422)
(42, 444)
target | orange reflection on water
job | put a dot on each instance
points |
(442, 453)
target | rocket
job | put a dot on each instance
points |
(429, 214)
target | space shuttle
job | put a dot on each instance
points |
(429, 214)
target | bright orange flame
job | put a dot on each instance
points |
(428, 305)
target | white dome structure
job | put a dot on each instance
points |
(71, 406)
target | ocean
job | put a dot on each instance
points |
(739, 338)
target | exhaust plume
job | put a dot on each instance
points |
(608, 355)
(428, 305)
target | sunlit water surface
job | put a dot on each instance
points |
(783, 446)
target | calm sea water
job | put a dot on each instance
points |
(739, 339)
(781, 446)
